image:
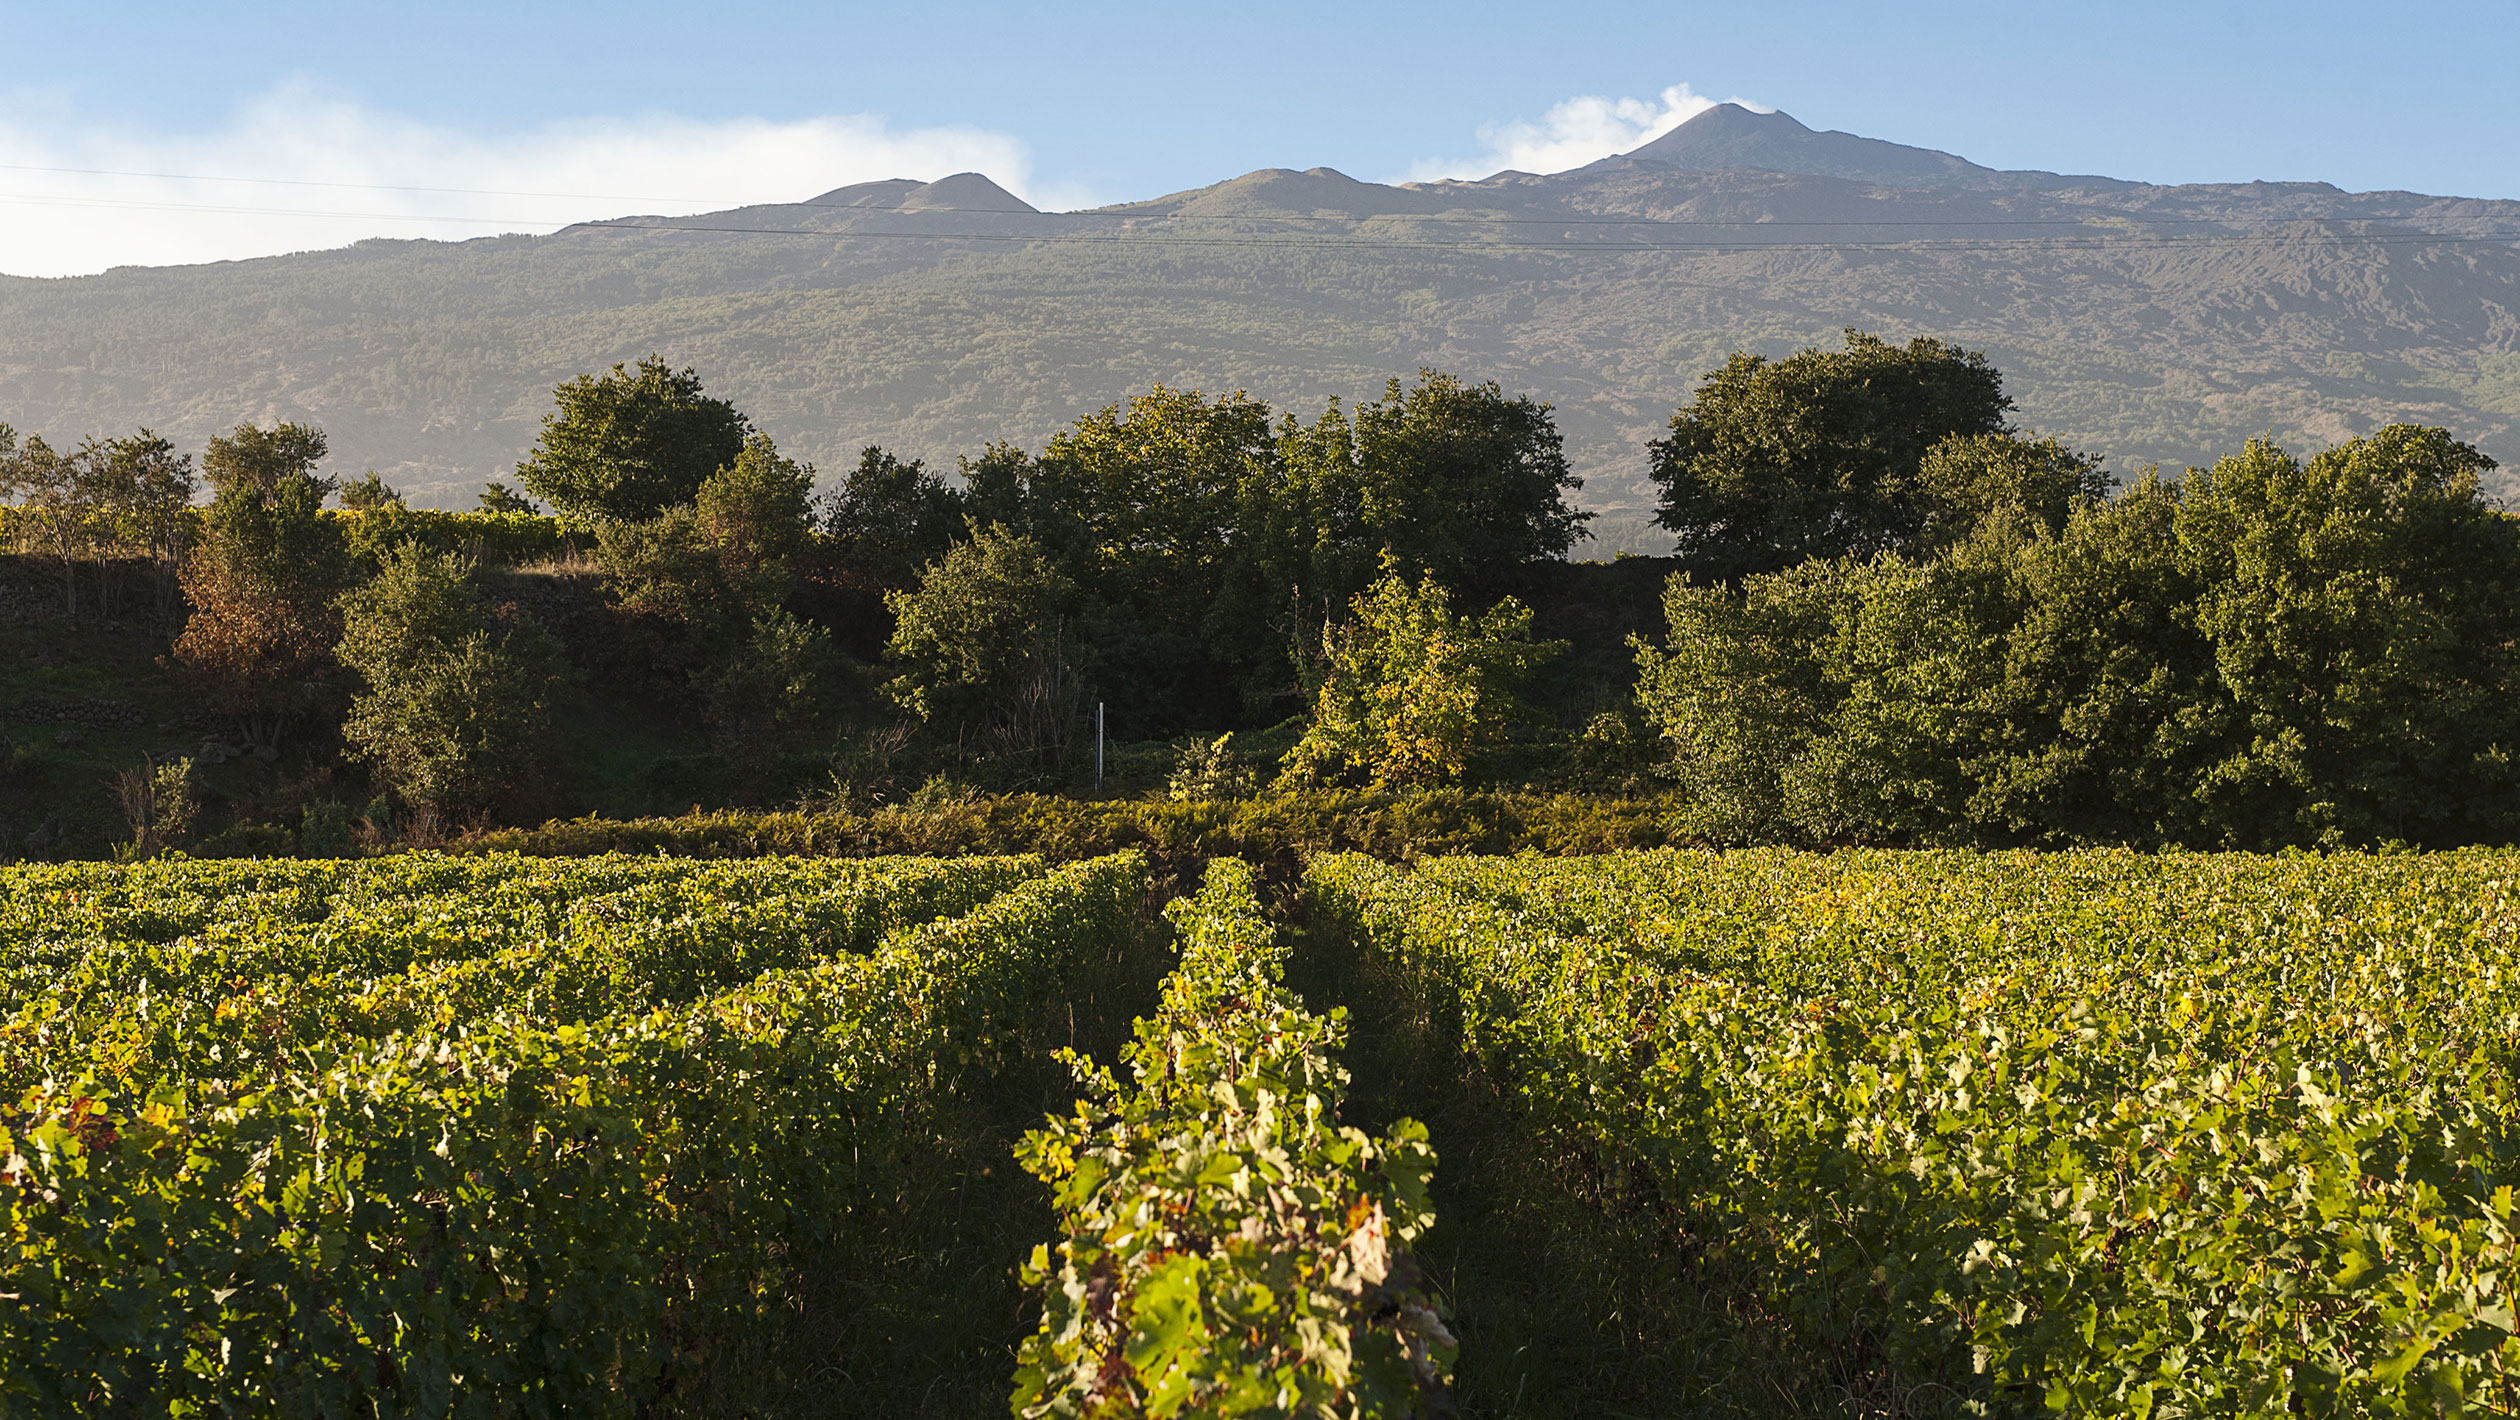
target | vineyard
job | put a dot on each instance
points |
(2077, 1134)
(491, 1137)
(2086, 1134)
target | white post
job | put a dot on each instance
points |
(1098, 746)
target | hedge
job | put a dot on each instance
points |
(1276, 834)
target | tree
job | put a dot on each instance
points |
(158, 805)
(2271, 652)
(264, 460)
(1456, 479)
(892, 518)
(987, 653)
(1138, 504)
(369, 493)
(664, 569)
(1411, 693)
(455, 712)
(703, 572)
(1968, 478)
(149, 488)
(1301, 552)
(774, 697)
(1464, 482)
(1210, 547)
(1817, 454)
(56, 499)
(2108, 689)
(757, 515)
(258, 645)
(499, 498)
(627, 445)
(1829, 701)
(2364, 610)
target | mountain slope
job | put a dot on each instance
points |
(2145, 323)
(1731, 136)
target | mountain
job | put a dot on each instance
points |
(2144, 323)
(1731, 136)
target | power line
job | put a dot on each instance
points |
(2286, 232)
(1117, 213)
(1386, 243)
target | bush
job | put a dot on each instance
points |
(2270, 652)
(1209, 769)
(324, 831)
(1276, 833)
(1411, 694)
(987, 651)
(454, 716)
(773, 699)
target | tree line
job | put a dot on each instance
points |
(1900, 620)
(1894, 615)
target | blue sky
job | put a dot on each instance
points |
(582, 110)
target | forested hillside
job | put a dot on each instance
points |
(2141, 323)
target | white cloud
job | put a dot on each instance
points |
(297, 169)
(1575, 132)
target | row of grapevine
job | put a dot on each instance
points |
(491, 1207)
(1230, 1248)
(290, 917)
(106, 994)
(2090, 1133)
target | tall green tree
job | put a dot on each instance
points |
(1463, 482)
(1817, 454)
(1210, 547)
(1832, 700)
(629, 444)
(56, 501)
(1138, 505)
(454, 711)
(2364, 609)
(891, 518)
(757, 515)
(698, 576)
(148, 487)
(369, 493)
(258, 646)
(1968, 478)
(263, 460)
(986, 654)
(2108, 692)
(2274, 651)
(1303, 551)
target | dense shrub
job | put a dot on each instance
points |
(1277, 833)
(2272, 651)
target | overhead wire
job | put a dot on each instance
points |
(1116, 212)
(1333, 242)
(2289, 229)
